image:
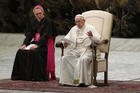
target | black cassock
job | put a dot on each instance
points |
(31, 64)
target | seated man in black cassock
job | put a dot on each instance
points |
(34, 60)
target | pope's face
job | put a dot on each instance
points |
(79, 22)
(39, 14)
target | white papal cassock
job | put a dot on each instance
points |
(75, 66)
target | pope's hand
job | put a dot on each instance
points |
(89, 33)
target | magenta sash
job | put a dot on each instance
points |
(51, 59)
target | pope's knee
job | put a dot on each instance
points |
(64, 58)
(85, 59)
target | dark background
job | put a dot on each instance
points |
(16, 14)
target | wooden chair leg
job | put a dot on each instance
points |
(105, 78)
(95, 67)
(106, 73)
(95, 81)
(62, 49)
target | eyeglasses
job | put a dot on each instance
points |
(78, 21)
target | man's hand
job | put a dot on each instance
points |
(23, 47)
(34, 47)
(65, 44)
(89, 33)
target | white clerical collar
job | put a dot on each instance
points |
(82, 27)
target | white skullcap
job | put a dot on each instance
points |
(80, 15)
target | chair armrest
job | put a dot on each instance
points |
(59, 44)
(101, 42)
(105, 41)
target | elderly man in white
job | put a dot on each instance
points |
(75, 66)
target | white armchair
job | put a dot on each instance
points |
(102, 21)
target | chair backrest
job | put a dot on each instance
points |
(102, 21)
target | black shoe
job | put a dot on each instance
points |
(15, 78)
(82, 85)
